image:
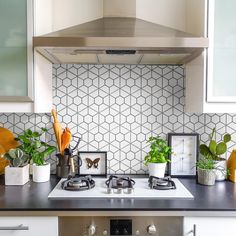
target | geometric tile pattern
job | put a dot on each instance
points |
(115, 108)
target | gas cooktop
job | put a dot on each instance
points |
(119, 187)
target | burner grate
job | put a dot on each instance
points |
(161, 183)
(78, 183)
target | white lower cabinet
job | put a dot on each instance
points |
(28, 226)
(212, 226)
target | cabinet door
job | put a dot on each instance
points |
(15, 54)
(203, 226)
(28, 226)
(221, 81)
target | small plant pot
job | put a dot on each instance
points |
(221, 169)
(41, 173)
(206, 177)
(16, 175)
(157, 169)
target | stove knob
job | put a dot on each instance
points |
(125, 232)
(91, 230)
(151, 229)
(105, 233)
(109, 190)
(137, 232)
(117, 232)
(119, 190)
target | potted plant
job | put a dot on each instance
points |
(38, 152)
(206, 170)
(215, 150)
(17, 172)
(157, 157)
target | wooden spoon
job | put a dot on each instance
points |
(57, 129)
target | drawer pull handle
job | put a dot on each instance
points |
(194, 231)
(19, 227)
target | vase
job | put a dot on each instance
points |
(221, 169)
(157, 169)
(206, 177)
(41, 173)
(16, 175)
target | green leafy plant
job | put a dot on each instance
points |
(206, 163)
(159, 151)
(215, 150)
(34, 147)
(16, 157)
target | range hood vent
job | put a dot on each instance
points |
(120, 40)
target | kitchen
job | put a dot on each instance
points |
(114, 91)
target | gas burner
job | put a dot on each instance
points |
(78, 184)
(120, 185)
(161, 183)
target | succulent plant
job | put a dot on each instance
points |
(16, 157)
(215, 150)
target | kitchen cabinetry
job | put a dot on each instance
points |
(21, 80)
(28, 226)
(210, 82)
(202, 226)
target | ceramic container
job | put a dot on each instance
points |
(157, 169)
(221, 167)
(41, 173)
(206, 177)
(16, 175)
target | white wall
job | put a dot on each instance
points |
(119, 8)
(171, 13)
(195, 16)
(42, 17)
(68, 13)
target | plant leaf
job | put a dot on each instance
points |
(212, 146)
(221, 148)
(204, 150)
(227, 138)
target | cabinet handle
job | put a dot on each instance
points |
(194, 230)
(19, 227)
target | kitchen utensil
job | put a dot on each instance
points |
(65, 139)
(7, 141)
(57, 129)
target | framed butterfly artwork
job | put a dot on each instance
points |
(92, 163)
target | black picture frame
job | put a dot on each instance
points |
(83, 171)
(170, 165)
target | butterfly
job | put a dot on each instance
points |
(93, 163)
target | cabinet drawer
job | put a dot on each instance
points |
(28, 226)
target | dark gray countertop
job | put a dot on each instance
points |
(33, 197)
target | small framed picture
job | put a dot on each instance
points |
(185, 154)
(92, 163)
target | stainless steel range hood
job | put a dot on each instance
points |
(120, 40)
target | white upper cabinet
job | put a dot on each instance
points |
(221, 82)
(23, 83)
(210, 82)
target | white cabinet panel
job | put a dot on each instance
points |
(204, 226)
(221, 80)
(28, 226)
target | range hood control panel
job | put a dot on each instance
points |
(121, 225)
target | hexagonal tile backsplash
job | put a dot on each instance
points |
(115, 108)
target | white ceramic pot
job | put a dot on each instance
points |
(221, 169)
(157, 169)
(41, 173)
(16, 175)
